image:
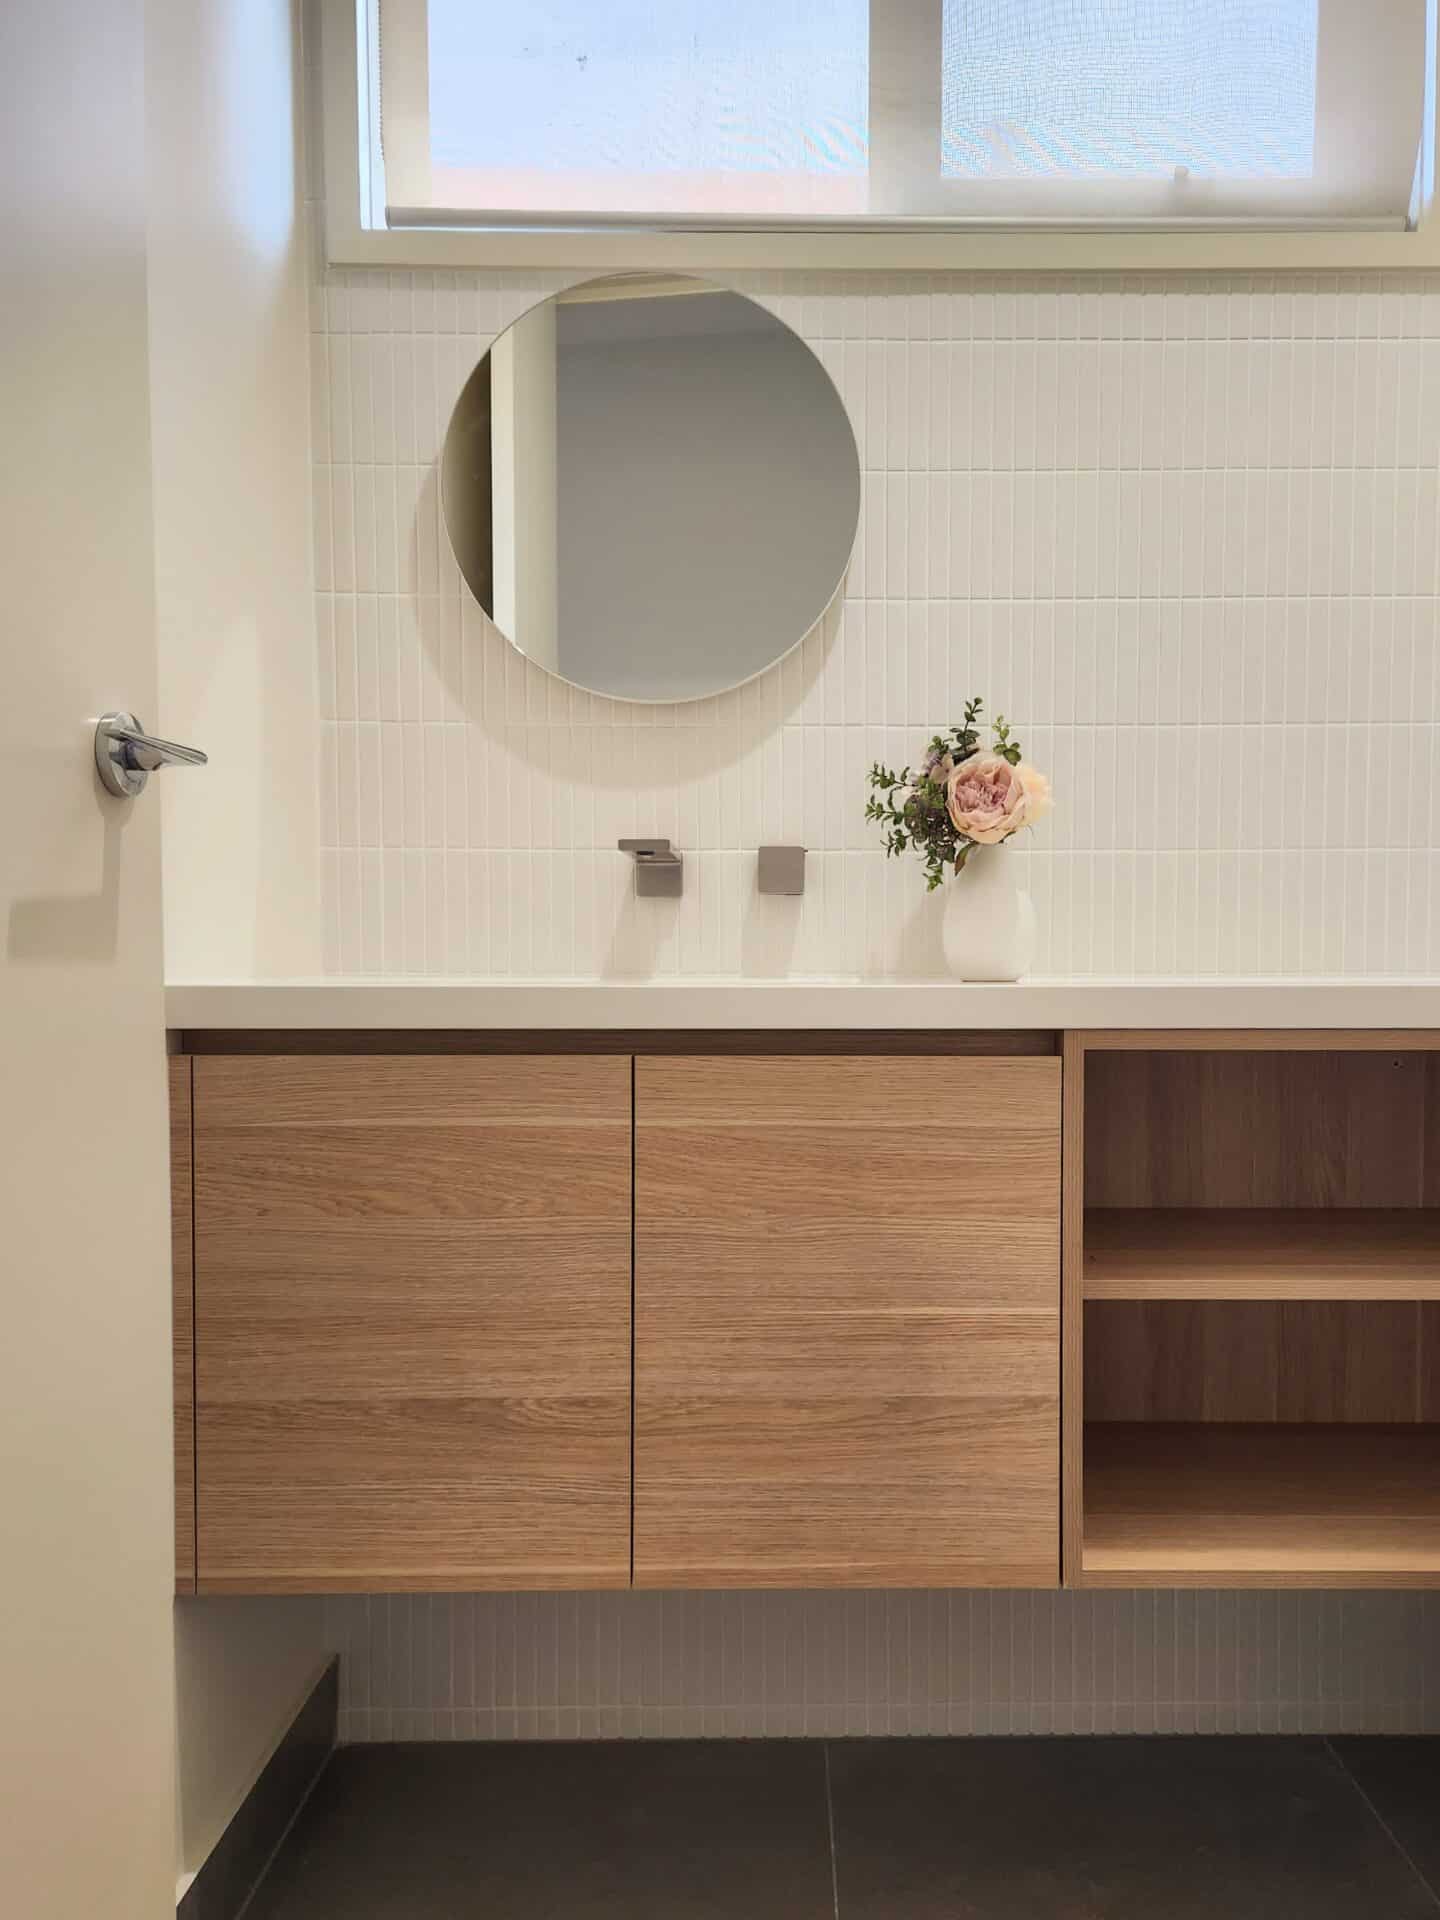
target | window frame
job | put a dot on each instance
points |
(356, 233)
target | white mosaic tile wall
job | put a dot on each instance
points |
(1185, 534)
(558, 1666)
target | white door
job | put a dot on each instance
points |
(86, 1674)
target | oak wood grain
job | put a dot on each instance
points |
(413, 1294)
(182, 1305)
(400, 1091)
(1333, 1362)
(1341, 1128)
(847, 1322)
(1311, 1506)
(1252, 1253)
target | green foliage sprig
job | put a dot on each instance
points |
(911, 805)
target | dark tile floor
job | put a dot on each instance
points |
(1053, 1829)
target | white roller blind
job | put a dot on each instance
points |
(816, 113)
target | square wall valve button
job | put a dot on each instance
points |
(782, 869)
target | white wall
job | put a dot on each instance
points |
(86, 1541)
(1183, 532)
(242, 1670)
(232, 533)
(232, 486)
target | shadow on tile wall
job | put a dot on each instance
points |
(537, 1666)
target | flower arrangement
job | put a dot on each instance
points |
(959, 798)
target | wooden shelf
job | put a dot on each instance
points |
(1261, 1253)
(1250, 1506)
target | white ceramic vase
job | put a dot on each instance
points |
(988, 927)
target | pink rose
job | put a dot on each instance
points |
(1037, 792)
(988, 799)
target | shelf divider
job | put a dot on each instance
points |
(1262, 1253)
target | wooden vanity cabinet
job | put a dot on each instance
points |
(412, 1319)
(847, 1321)
(405, 1284)
(412, 1322)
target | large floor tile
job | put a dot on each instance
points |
(1110, 1829)
(646, 1830)
(1402, 1779)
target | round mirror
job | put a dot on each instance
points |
(651, 487)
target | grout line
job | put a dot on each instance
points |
(1381, 1821)
(830, 1821)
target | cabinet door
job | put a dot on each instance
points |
(412, 1322)
(847, 1295)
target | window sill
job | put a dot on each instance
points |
(992, 250)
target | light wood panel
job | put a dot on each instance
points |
(413, 1322)
(182, 1305)
(1240, 1506)
(1247, 1253)
(847, 1322)
(1258, 1360)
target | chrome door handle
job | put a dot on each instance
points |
(126, 756)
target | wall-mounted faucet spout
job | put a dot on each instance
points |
(659, 870)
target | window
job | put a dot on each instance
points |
(1063, 135)
(1223, 88)
(1183, 108)
(753, 107)
(821, 113)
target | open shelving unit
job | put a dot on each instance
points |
(1252, 1309)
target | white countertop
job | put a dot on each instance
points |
(800, 1003)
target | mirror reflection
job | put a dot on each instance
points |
(651, 487)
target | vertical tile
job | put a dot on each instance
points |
(1043, 461)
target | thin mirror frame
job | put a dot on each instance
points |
(656, 284)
